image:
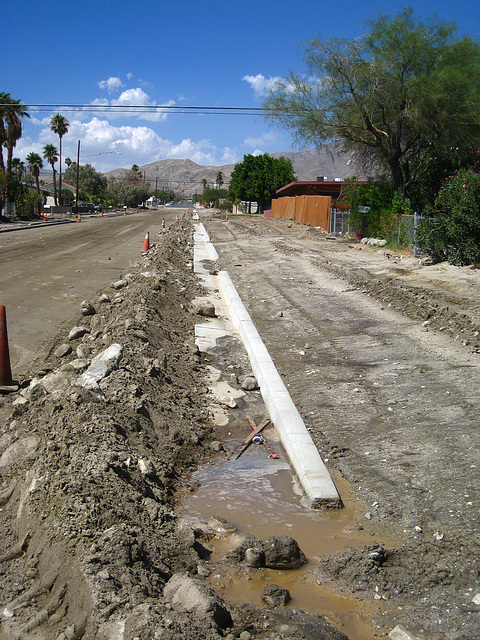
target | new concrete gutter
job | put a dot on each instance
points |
(297, 442)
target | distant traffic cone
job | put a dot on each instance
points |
(101, 214)
(5, 370)
(146, 243)
(163, 224)
(176, 218)
(79, 219)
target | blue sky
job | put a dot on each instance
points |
(180, 53)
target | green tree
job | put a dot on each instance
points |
(5, 99)
(19, 167)
(257, 178)
(90, 181)
(451, 230)
(50, 153)
(13, 112)
(35, 163)
(443, 161)
(59, 125)
(388, 95)
(133, 195)
(219, 179)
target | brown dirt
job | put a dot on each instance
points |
(89, 530)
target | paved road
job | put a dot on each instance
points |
(46, 272)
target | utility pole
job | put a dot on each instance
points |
(78, 170)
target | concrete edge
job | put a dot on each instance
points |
(304, 457)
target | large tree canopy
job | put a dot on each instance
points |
(257, 178)
(90, 182)
(389, 95)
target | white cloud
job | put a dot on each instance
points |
(230, 156)
(102, 142)
(265, 139)
(262, 85)
(112, 84)
(131, 98)
(257, 152)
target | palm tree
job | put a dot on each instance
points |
(19, 167)
(35, 163)
(5, 99)
(68, 162)
(59, 125)
(50, 153)
(219, 179)
(12, 114)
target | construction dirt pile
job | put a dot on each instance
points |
(94, 450)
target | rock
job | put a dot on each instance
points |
(217, 523)
(283, 552)
(57, 381)
(19, 451)
(78, 365)
(400, 633)
(192, 595)
(104, 298)
(249, 383)
(62, 351)
(78, 332)
(119, 284)
(275, 596)
(476, 598)
(216, 446)
(255, 557)
(87, 308)
(203, 307)
(100, 367)
(146, 468)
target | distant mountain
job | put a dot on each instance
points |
(186, 177)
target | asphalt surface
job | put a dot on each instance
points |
(47, 270)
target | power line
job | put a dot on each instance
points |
(152, 109)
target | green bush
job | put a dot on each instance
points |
(27, 205)
(452, 232)
(386, 209)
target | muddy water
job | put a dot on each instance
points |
(259, 495)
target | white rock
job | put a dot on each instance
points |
(400, 633)
(100, 367)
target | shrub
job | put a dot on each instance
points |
(453, 231)
(386, 209)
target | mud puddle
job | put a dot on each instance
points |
(259, 495)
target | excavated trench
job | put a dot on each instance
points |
(258, 494)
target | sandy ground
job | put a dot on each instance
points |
(380, 354)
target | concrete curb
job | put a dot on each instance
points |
(297, 442)
(32, 225)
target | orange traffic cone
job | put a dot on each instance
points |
(6, 383)
(146, 243)
(163, 224)
(79, 218)
(176, 218)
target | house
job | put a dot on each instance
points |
(321, 187)
(310, 202)
(66, 201)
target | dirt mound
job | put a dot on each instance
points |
(92, 453)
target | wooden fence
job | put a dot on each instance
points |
(311, 210)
